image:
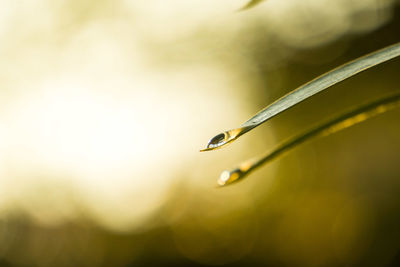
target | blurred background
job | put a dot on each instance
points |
(106, 104)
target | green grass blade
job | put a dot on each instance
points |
(251, 4)
(334, 125)
(306, 91)
(323, 82)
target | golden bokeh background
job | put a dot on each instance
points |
(106, 104)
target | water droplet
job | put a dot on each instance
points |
(228, 177)
(225, 138)
(218, 140)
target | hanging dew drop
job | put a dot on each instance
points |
(226, 137)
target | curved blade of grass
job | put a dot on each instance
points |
(251, 4)
(334, 125)
(306, 91)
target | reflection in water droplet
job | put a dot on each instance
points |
(217, 140)
(225, 138)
